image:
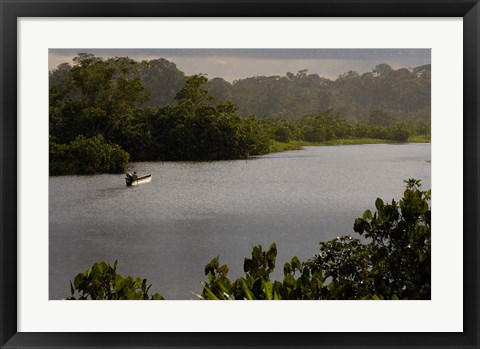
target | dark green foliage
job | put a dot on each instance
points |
(400, 133)
(102, 282)
(401, 244)
(163, 80)
(257, 284)
(392, 263)
(380, 118)
(198, 128)
(92, 105)
(94, 97)
(282, 134)
(403, 93)
(324, 126)
(96, 101)
(395, 261)
(86, 156)
(217, 136)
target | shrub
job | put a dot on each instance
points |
(102, 282)
(87, 156)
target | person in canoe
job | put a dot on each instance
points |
(130, 178)
(134, 179)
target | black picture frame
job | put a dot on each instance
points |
(11, 10)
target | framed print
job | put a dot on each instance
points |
(262, 133)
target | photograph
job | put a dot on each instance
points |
(276, 156)
(239, 174)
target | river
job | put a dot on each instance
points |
(169, 229)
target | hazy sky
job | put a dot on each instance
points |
(232, 64)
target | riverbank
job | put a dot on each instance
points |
(277, 147)
(75, 166)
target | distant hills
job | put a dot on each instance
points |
(404, 94)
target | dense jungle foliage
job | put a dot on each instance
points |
(126, 110)
(102, 282)
(87, 156)
(391, 261)
(402, 93)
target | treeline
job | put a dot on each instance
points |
(405, 94)
(325, 126)
(104, 113)
(391, 261)
(98, 121)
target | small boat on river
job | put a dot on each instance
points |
(132, 180)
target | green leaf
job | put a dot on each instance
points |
(256, 252)
(360, 225)
(157, 297)
(224, 270)
(289, 281)
(276, 296)
(208, 294)
(287, 269)
(270, 255)
(379, 205)
(78, 281)
(248, 265)
(210, 267)
(367, 215)
(296, 263)
(272, 251)
(267, 288)
(248, 294)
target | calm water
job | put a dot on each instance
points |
(168, 229)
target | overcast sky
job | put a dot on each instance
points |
(232, 64)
